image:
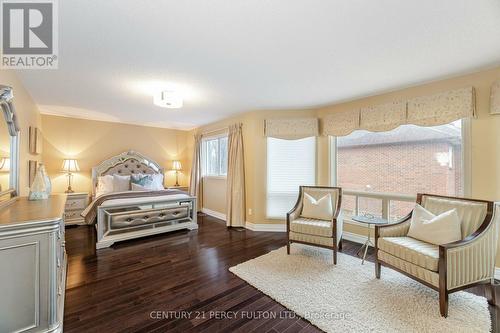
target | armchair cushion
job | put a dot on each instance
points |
(320, 209)
(412, 250)
(441, 229)
(312, 227)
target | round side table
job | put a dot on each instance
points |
(368, 220)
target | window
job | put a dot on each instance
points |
(290, 163)
(215, 156)
(407, 160)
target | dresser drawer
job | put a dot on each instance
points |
(73, 215)
(75, 203)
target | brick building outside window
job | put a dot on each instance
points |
(407, 160)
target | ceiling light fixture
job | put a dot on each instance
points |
(168, 99)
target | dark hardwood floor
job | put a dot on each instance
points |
(177, 282)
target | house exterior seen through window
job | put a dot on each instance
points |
(407, 160)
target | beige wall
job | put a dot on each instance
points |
(28, 115)
(91, 142)
(485, 141)
(214, 194)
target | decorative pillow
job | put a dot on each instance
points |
(145, 181)
(441, 229)
(121, 183)
(317, 209)
(104, 185)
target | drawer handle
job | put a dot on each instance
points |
(146, 217)
(129, 219)
(72, 203)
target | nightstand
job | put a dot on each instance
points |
(180, 188)
(75, 204)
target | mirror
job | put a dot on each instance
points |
(9, 148)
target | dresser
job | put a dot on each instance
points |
(75, 204)
(32, 265)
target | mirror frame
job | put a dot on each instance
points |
(8, 110)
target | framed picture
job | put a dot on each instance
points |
(31, 171)
(495, 98)
(35, 140)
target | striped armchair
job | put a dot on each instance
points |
(321, 233)
(449, 267)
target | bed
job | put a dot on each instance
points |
(125, 215)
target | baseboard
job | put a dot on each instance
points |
(213, 213)
(265, 227)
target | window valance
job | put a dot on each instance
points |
(442, 108)
(432, 110)
(341, 123)
(383, 117)
(291, 129)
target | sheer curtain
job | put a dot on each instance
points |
(196, 184)
(235, 196)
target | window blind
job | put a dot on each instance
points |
(290, 163)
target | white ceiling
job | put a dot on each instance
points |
(241, 55)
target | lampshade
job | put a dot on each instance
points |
(176, 165)
(70, 165)
(4, 164)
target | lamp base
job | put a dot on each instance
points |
(69, 191)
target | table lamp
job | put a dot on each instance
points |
(69, 166)
(176, 166)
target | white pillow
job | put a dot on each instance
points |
(121, 183)
(137, 187)
(317, 209)
(441, 229)
(104, 185)
(158, 182)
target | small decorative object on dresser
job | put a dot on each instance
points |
(38, 190)
(76, 202)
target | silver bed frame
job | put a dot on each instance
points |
(127, 163)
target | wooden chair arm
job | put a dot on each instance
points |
(396, 225)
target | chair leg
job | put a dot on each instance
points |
(335, 256)
(340, 245)
(490, 294)
(377, 269)
(443, 302)
(288, 248)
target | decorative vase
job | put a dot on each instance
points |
(38, 190)
(46, 179)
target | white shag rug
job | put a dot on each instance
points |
(348, 297)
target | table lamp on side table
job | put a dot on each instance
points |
(69, 166)
(176, 166)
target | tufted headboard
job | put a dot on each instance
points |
(126, 163)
